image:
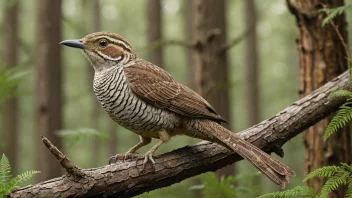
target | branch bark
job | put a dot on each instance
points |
(125, 179)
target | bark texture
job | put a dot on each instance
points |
(322, 57)
(154, 22)
(211, 68)
(125, 179)
(11, 60)
(48, 85)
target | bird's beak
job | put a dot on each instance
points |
(73, 43)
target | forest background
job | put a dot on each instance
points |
(88, 136)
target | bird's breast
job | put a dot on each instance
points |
(117, 99)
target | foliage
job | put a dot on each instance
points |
(75, 135)
(304, 191)
(332, 13)
(8, 184)
(343, 116)
(336, 176)
(9, 79)
(225, 187)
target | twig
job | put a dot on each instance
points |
(224, 47)
(67, 164)
(341, 40)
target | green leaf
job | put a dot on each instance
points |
(13, 184)
(304, 191)
(349, 188)
(333, 183)
(332, 13)
(5, 170)
(341, 93)
(325, 171)
(341, 119)
(75, 135)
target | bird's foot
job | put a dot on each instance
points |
(148, 156)
(124, 157)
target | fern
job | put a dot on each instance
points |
(75, 135)
(337, 176)
(342, 118)
(342, 93)
(6, 183)
(349, 188)
(304, 191)
(5, 169)
(333, 183)
(325, 171)
(13, 184)
(9, 79)
(332, 13)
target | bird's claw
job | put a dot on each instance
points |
(148, 157)
(123, 157)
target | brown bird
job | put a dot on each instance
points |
(147, 100)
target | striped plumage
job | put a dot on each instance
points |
(123, 106)
(146, 100)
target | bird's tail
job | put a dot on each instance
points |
(269, 166)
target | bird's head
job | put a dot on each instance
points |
(104, 49)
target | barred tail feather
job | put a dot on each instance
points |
(269, 166)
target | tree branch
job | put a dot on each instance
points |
(125, 179)
(226, 46)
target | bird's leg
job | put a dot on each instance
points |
(148, 156)
(143, 141)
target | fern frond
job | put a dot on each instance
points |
(341, 119)
(341, 93)
(349, 188)
(304, 191)
(333, 13)
(13, 184)
(346, 166)
(333, 183)
(5, 169)
(325, 171)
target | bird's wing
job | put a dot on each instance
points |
(160, 89)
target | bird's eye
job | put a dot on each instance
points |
(103, 42)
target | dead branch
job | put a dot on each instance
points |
(125, 179)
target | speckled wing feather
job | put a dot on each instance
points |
(159, 88)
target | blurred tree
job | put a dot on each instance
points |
(211, 72)
(92, 9)
(48, 85)
(187, 5)
(11, 59)
(154, 31)
(251, 65)
(322, 57)
(188, 32)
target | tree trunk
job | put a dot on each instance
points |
(252, 64)
(154, 20)
(92, 9)
(48, 85)
(11, 104)
(209, 32)
(252, 77)
(187, 5)
(322, 57)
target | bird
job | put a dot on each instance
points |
(147, 100)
